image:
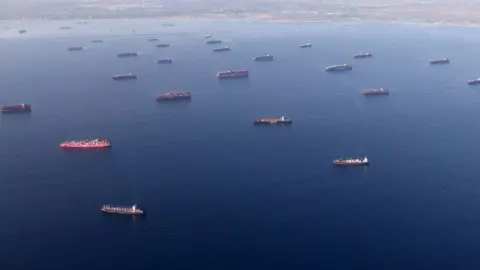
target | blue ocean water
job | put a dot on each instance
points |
(219, 192)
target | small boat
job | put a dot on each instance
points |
(128, 76)
(78, 48)
(363, 55)
(376, 92)
(343, 67)
(20, 108)
(165, 61)
(474, 82)
(207, 36)
(440, 61)
(308, 45)
(224, 49)
(351, 162)
(265, 57)
(122, 210)
(86, 144)
(164, 45)
(273, 121)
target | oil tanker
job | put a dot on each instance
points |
(308, 45)
(224, 49)
(351, 162)
(440, 61)
(343, 67)
(363, 55)
(174, 96)
(86, 144)
(376, 92)
(232, 74)
(16, 108)
(127, 54)
(474, 82)
(128, 76)
(165, 61)
(273, 121)
(122, 210)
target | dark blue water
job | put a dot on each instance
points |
(221, 193)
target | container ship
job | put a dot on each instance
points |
(163, 45)
(376, 92)
(232, 74)
(224, 49)
(363, 55)
(308, 45)
(214, 41)
(16, 108)
(265, 57)
(22, 31)
(128, 76)
(165, 61)
(122, 210)
(474, 82)
(351, 162)
(440, 61)
(273, 121)
(75, 48)
(343, 67)
(127, 54)
(86, 144)
(174, 96)
(97, 41)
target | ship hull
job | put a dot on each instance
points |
(124, 78)
(362, 56)
(122, 212)
(474, 82)
(232, 76)
(350, 164)
(85, 146)
(439, 62)
(15, 111)
(375, 94)
(260, 122)
(339, 69)
(174, 99)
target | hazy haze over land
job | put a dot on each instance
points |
(441, 11)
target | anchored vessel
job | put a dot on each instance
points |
(232, 74)
(265, 57)
(440, 61)
(86, 144)
(363, 55)
(216, 41)
(153, 39)
(22, 31)
(339, 67)
(174, 96)
(351, 162)
(123, 210)
(163, 45)
(474, 82)
(127, 54)
(65, 27)
(16, 108)
(273, 121)
(128, 76)
(97, 41)
(224, 49)
(308, 45)
(78, 48)
(376, 92)
(165, 61)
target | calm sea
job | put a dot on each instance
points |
(219, 192)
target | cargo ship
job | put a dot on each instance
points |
(165, 61)
(97, 41)
(343, 67)
(351, 162)
(363, 55)
(232, 74)
(22, 31)
(86, 144)
(153, 39)
(128, 76)
(75, 48)
(127, 54)
(440, 61)
(273, 121)
(122, 210)
(265, 57)
(163, 45)
(376, 92)
(16, 108)
(217, 41)
(308, 45)
(474, 82)
(174, 96)
(224, 49)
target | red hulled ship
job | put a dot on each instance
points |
(174, 96)
(16, 108)
(376, 92)
(232, 74)
(86, 144)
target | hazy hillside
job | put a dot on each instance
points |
(453, 11)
